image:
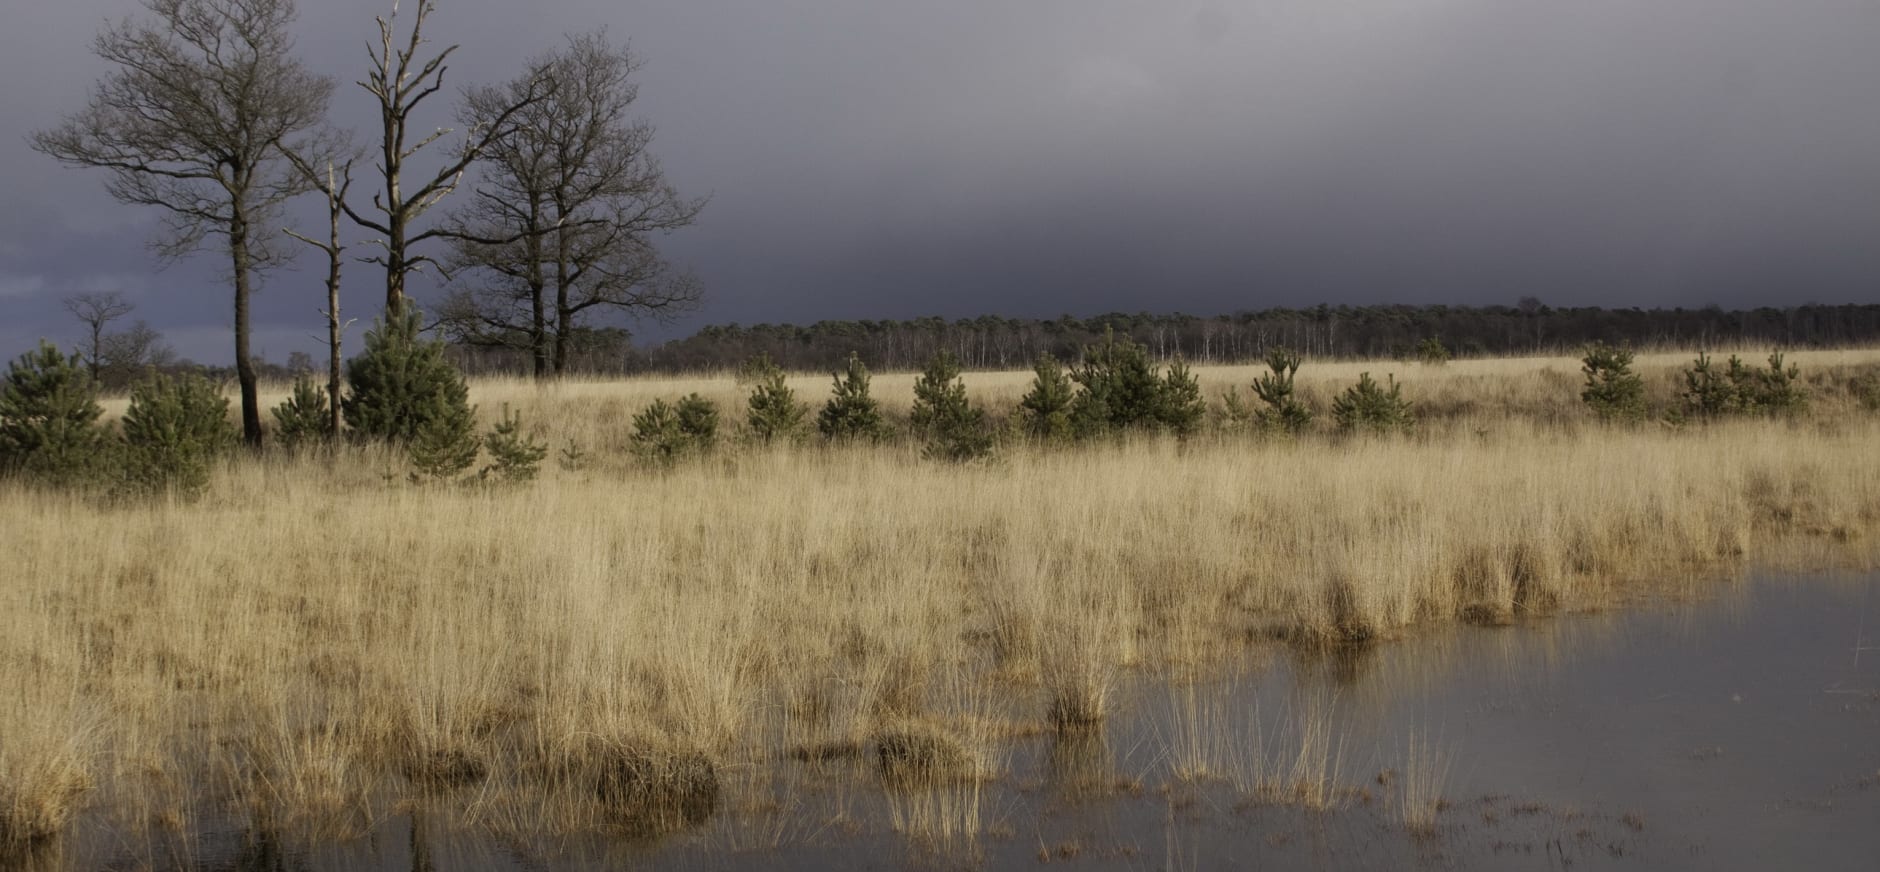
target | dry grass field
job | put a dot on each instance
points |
(317, 643)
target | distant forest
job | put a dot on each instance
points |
(991, 342)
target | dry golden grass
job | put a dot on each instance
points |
(313, 645)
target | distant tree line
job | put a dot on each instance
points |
(1385, 331)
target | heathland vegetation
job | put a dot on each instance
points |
(710, 575)
(559, 606)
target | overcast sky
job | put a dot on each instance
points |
(873, 159)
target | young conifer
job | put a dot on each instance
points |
(1613, 391)
(773, 412)
(515, 455)
(851, 413)
(1045, 411)
(1368, 407)
(1284, 413)
(174, 430)
(304, 418)
(942, 415)
(49, 419)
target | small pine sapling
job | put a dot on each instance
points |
(445, 445)
(1368, 407)
(1045, 411)
(943, 416)
(304, 418)
(1236, 414)
(515, 455)
(1179, 404)
(774, 414)
(660, 435)
(698, 421)
(1707, 392)
(1432, 352)
(851, 413)
(1613, 391)
(1284, 413)
(1118, 388)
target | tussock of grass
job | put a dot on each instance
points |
(47, 752)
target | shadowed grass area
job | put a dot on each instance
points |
(315, 646)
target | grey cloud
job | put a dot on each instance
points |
(872, 159)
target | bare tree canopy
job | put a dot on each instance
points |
(401, 81)
(567, 210)
(191, 120)
(96, 312)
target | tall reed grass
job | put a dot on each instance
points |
(316, 643)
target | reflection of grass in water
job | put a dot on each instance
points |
(1204, 740)
(942, 817)
(934, 768)
(1299, 762)
(1424, 777)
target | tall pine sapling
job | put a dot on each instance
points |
(401, 383)
(49, 419)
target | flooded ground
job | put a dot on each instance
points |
(1736, 730)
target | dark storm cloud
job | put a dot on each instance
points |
(872, 159)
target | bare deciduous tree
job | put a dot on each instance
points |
(132, 352)
(96, 312)
(564, 218)
(335, 184)
(188, 121)
(401, 81)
